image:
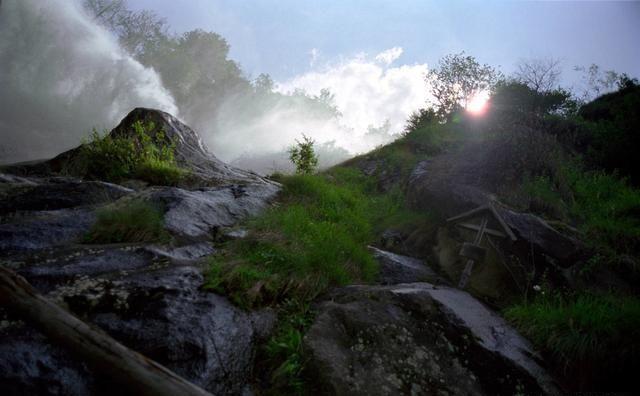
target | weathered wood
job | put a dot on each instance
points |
(134, 372)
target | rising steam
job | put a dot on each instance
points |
(60, 76)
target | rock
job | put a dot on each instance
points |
(61, 194)
(395, 269)
(199, 214)
(417, 339)
(44, 229)
(392, 239)
(190, 152)
(144, 301)
(465, 179)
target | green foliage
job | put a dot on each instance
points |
(612, 125)
(608, 209)
(140, 155)
(519, 99)
(605, 207)
(599, 331)
(303, 156)
(135, 221)
(420, 119)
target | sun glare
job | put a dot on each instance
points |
(478, 103)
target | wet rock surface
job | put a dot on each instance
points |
(395, 269)
(147, 297)
(200, 214)
(417, 339)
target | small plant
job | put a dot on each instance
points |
(283, 352)
(303, 156)
(136, 221)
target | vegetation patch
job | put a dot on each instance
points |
(136, 221)
(141, 155)
(316, 238)
(592, 334)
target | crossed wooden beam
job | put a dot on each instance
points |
(474, 252)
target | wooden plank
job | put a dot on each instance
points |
(504, 225)
(134, 372)
(468, 214)
(474, 227)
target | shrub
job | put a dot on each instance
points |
(303, 156)
(136, 221)
(139, 155)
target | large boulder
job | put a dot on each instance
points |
(200, 214)
(190, 151)
(148, 298)
(418, 339)
(465, 179)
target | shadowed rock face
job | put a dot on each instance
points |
(417, 339)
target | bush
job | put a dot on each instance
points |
(139, 155)
(135, 221)
(586, 334)
(303, 156)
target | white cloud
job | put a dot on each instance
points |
(390, 55)
(368, 91)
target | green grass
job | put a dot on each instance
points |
(160, 172)
(608, 209)
(605, 207)
(598, 331)
(136, 221)
(316, 238)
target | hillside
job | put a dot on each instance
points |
(343, 281)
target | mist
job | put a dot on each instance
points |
(365, 104)
(63, 75)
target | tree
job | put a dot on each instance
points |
(541, 75)
(303, 155)
(139, 32)
(597, 81)
(457, 79)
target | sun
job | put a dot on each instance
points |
(478, 103)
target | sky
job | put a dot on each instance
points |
(371, 54)
(287, 38)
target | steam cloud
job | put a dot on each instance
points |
(373, 97)
(60, 76)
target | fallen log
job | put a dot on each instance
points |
(133, 371)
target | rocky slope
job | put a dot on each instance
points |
(411, 334)
(146, 296)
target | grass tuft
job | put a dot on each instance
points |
(136, 221)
